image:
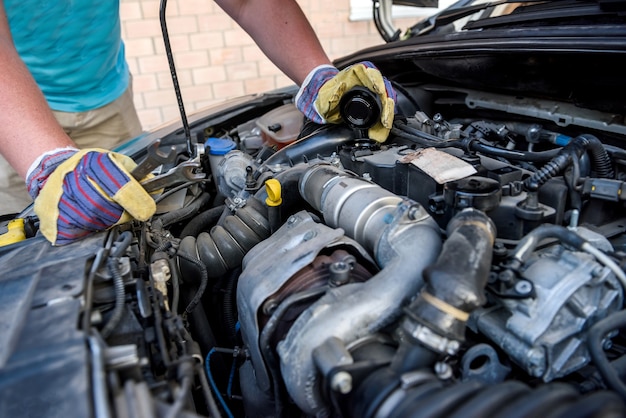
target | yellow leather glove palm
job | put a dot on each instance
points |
(89, 191)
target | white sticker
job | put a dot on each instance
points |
(439, 165)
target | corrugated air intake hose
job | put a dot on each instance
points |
(223, 247)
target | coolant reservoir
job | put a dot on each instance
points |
(217, 148)
(281, 126)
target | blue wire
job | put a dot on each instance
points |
(207, 366)
(231, 378)
(232, 369)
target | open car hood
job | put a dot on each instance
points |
(562, 50)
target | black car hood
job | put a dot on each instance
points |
(576, 59)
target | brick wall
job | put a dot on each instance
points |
(215, 59)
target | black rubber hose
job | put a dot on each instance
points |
(595, 337)
(184, 212)
(536, 403)
(214, 410)
(202, 222)
(411, 356)
(122, 243)
(491, 399)
(204, 280)
(229, 304)
(120, 297)
(309, 148)
(527, 156)
(199, 325)
(118, 249)
(384, 393)
(438, 404)
(555, 166)
(425, 139)
(417, 394)
(455, 283)
(185, 372)
(366, 400)
(574, 150)
(529, 243)
(600, 157)
(619, 365)
(601, 404)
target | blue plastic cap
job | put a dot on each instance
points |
(219, 146)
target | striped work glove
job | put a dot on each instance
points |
(321, 92)
(80, 192)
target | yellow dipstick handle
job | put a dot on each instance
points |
(274, 190)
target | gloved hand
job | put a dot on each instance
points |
(321, 91)
(80, 192)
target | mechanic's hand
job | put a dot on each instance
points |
(321, 92)
(80, 192)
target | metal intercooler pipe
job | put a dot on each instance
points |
(404, 240)
(435, 322)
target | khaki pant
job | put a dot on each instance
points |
(105, 127)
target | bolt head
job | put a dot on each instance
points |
(341, 382)
(523, 287)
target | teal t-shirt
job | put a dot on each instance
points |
(73, 49)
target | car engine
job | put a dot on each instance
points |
(472, 265)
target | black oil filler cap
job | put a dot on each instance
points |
(360, 108)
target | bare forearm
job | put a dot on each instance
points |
(285, 35)
(27, 126)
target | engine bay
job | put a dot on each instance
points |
(472, 265)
